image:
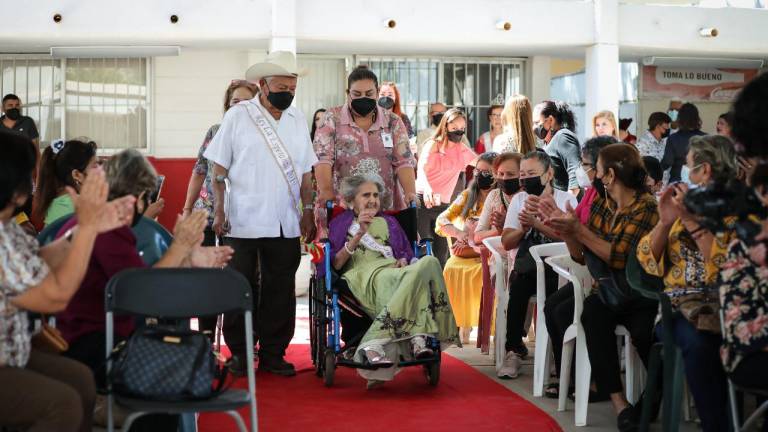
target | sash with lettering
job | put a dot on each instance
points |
(278, 151)
(369, 242)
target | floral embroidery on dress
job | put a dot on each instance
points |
(395, 325)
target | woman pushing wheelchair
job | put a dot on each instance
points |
(406, 298)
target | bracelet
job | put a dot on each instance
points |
(346, 248)
(309, 207)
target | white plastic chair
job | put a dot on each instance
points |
(499, 269)
(543, 351)
(579, 276)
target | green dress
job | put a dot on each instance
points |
(403, 302)
(61, 206)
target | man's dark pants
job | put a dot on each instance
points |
(270, 266)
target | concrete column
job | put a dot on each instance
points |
(283, 26)
(602, 63)
(602, 82)
(538, 75)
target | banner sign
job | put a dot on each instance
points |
(695, 85)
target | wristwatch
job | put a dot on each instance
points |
(220, 178)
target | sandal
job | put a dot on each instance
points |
(552, 390)
(376, 357)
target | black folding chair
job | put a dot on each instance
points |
(182, 294)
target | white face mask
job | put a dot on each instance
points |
(582, 178)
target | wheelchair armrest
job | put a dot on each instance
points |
(425, 240)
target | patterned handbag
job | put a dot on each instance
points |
(161, 363)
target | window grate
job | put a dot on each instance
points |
(104, 99)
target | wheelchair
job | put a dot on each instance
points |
(338, 322)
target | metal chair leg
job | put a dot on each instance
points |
(238, 420)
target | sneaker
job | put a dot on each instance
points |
(521, 350)
(277, 366)
(420, 348)
(510, 368)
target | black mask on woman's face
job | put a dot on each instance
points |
(540, 131)
(386, 102)
(597, 183)
(280, 100)
(510, 186)
(484, 181)
(364, 105)
(533, 185)
(455, 136)
(437, 118)
(137, 215)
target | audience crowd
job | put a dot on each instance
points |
(673, 199)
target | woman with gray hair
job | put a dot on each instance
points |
(689, 257)
(406, 298)
(82, 323)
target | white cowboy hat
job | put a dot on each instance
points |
(277, 63)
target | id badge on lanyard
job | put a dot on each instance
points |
(386, 139)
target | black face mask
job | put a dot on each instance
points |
(363, 105)
(484, 182)
(510, 186)
(386, 102)
(665, 134)
(437, 118)
(540, 132)
(13, 114)
(532, 185)
(280, 100)
(455, 136)
(137, 215)
(597, 183)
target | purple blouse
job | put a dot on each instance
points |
(339, 226)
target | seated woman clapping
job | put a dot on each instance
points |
(407, 300)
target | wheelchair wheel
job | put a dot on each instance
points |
(320, 328)
(432, 372)
(330, 367)
(312, 320)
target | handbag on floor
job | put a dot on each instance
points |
(168, 364)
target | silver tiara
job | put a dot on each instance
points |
(57, 145)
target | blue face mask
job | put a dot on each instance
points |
(672, 114)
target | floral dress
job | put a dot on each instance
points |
(204, 167)
(743, 293)
(404, 302)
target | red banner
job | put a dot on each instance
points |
(695, 85)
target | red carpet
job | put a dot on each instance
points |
(464, 400)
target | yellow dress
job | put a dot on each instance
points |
(463, 276)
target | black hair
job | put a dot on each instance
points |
(314, 125)
(749, 128)
(10, 96)
(688, 117)
(728, 117)
(360, 73)
(473, 187)
(561, 112)
(16, 166)
(56, 171)
(541, 156)
(653, 168)
(591, 148)
(658, 118)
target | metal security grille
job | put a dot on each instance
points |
(38, 83)
(106, 99)
(473, 84)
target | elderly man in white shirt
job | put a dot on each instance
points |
(264, 151)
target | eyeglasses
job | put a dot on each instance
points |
(495, 116)
(485, 173)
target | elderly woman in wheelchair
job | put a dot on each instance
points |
(405, 297)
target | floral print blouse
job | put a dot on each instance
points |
(382, 150)
(204, 167)
(743, 297)
(683, 267)
(20, 268)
